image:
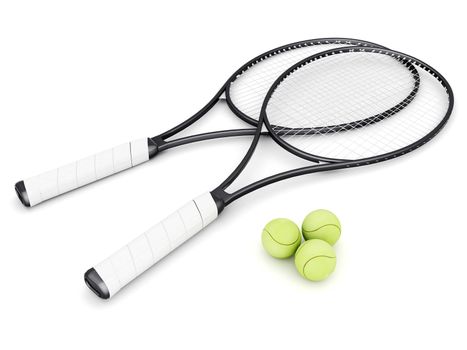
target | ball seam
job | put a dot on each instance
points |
(318, 256)
(310, 231)
(287, 244)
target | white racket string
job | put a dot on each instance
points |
(348, 89)
(247, 92)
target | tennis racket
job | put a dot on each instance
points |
(336, 107)
(244, 92)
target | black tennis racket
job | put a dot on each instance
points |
(345, 107)
(244, 92)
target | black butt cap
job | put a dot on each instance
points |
(96, 284)
(22, 194)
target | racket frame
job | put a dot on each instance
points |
(222, 198)
(160, 142)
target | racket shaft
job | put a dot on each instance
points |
(112, 274)
(37, 189)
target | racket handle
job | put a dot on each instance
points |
(53, 183)
(109, 276)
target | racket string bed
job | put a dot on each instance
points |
(341, 126)
(385, 91)
(276, 62)
(248, 93)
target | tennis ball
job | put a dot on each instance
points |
(322, 224)
(281, 238)
(315, 259)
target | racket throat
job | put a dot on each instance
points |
(220, 197)
(153, 146)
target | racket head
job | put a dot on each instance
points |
(245, 92)
(246, 89)
(344, 85)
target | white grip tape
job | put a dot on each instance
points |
(82, 172)
(133, 259)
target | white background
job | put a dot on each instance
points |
(79, 77)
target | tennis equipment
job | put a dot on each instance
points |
(344, 108)
(322, 224)
(244, 92)
(281, 238)
(315, 260)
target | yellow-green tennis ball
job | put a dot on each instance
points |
(281, 238)
(315, 259)
(322, 224)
